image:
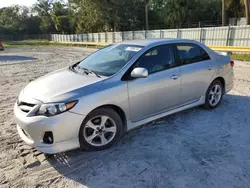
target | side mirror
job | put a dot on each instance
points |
(139, 72)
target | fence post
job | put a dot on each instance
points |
(122, 35)
(228, 35)
(161, 34)
(113, 37)
(177, 33)
(200, 34)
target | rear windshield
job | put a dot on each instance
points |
(110, 59)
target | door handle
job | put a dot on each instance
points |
(175, 76)
(209, 67)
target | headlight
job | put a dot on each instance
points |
(55, 108)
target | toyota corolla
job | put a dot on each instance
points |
(92, 103)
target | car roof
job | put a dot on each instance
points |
(147, 42)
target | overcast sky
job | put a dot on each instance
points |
(28, 3)
(5, 3)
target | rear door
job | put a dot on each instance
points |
(158, 92)
(197, 70)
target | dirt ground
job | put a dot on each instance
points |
(194, 148)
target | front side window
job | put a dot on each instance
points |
(157, 59)
(111, 59)
(191, 53)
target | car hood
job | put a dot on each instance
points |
(53, 86)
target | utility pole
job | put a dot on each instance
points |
(247, 11)
(146, 2)
(223, 13)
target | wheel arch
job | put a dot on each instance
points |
(118, 110)
(222, 80)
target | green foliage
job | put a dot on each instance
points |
(9, 18)
(240, 57)
(235, 8)
(18, 19)
(90, 16)
(179, 12)
(81, 16)
(42, 8)
(45, 24)
(60, 17)
(62, 24)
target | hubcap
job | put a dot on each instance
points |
(99, 130)
(215, 95)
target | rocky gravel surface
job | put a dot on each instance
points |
(194, 148)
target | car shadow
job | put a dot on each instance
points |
(15, 58)
(191, 145)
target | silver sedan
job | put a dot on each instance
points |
(92, 103)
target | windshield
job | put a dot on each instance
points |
(110, 59)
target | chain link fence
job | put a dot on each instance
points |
(4, 37)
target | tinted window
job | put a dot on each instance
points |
(157, 59)
(191, 53)
(111, 59)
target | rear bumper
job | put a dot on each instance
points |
(65, 128)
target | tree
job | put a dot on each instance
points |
(82, 16)
(42, 8)
(9, 19)
(90, 17)
(45, 24)
(60, 17)
(175, 13)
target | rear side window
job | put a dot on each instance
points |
(157, 59)
(191, 53)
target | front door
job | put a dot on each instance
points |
(158, 92)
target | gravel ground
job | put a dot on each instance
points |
(194, 148)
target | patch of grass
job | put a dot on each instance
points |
(241, 57)
(26, 43)
(43, 43)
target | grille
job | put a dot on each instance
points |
(25, 107)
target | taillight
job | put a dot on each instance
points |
(232, 63)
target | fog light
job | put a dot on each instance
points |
(48, 137)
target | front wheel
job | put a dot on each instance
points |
(214, 95)
(100, 129)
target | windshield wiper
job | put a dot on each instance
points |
(93, 72)
(88, 71)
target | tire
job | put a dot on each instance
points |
(211, 89)
(100, 125)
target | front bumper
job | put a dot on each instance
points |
(65, 128)
(229, 87)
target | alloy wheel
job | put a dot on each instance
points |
(215, 95)
(99, 130)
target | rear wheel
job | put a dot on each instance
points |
(100, 129)
(214, 95)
